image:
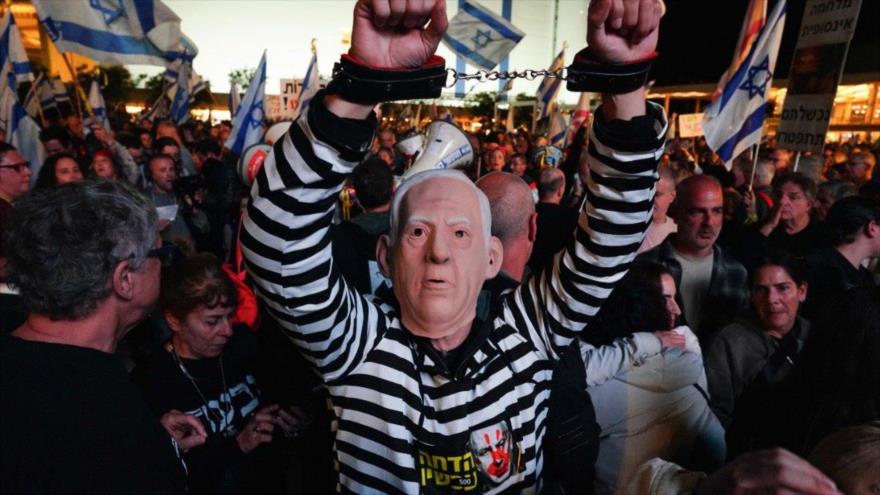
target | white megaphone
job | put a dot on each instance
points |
(446, 146)
(411, 146)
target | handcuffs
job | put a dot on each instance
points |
(360, 83)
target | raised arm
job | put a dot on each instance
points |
(285, 235)
(625, 145)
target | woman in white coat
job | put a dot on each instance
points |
(659, 408)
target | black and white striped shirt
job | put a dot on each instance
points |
(397, 406)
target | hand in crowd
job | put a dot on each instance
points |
(261, 427)
(104, 136)
(186, 429)
(767, 471)
(772, 221)
(623, 31)
(671, 338)
(390, 33)
(750, 204)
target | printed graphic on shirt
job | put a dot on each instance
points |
(489, 458)
(218, 417)
(442, 473)
(493, 448)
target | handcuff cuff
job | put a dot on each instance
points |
(358, 82)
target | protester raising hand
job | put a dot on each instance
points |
(623, 30)
(392, 33)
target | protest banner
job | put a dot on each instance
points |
(816, 68)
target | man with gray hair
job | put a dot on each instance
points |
(428, 397)
(555, 222)
(513, 220)
(82, 257)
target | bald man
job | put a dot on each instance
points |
(514, 221)
(712, 285)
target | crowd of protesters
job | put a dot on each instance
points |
(732, 316)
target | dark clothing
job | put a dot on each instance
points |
(753, 245)
(555, 228)
(222, 201)
(829, 275)
(222, 401)
(5, 223)
(354, 249)
(74, 423)
(728, 293)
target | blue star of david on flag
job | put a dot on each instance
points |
(482, 38)
(110, 14)
(758, 79)
(247, 128)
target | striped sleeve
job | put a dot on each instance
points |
(559, 302)
(286, 243)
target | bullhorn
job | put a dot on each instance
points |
(446, 146)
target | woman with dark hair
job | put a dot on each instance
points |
(763, 344)
(206, 369)
(659, 408)
(836, 382)
(60, 168)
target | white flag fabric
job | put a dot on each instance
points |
(16, 67)
(480, 36)
(558, 128)
(756, 15)
(21, 131)
(247, 128)
(549, 87)
(99, 108)
(311, 84)
(183, 84)
(734, 121)
(117, 32)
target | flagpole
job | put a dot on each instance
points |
(797, 159)
(75, 77)
(754, 167)
(30, 92)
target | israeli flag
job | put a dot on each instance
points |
(549, 88)
(558, 128)
(16, 68)
(99, 109)
(734, 121)
(311, 84)
(60, 90)
(21, 130)
(480, 36)
(247, 128)
(113, 31)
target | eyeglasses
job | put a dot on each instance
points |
(17, 166)
(168, 255)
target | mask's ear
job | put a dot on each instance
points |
(383, 255)
(496, 256)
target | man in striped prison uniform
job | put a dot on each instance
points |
(427, 397)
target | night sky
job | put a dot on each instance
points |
(695, 32)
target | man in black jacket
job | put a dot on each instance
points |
(82, 257)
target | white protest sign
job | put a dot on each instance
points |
(290, 89)
(826, 30)
(690, 125)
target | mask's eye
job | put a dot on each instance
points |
(418, 232)
(460, 234)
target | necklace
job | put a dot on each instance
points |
(225, 401)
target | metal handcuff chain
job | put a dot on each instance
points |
(496, 75)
